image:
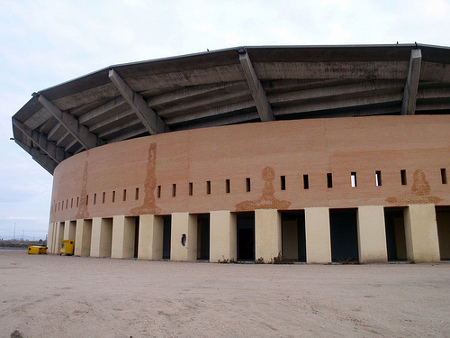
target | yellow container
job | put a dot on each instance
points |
(66, 247)
(36, 250)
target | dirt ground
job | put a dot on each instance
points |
(53, 296)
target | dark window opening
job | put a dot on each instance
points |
(403, 176)
(247, 181)
(227, 186)
(305, 182)
(444, 176)
(330, 180)
(136, 197)
(208, 187)
(95, 198)
(103, 197)
(159, 191)
(283, 182)
(191, 189)
(114, 196)
(71, 203)
(174, 190)
(87, 199)
(124, 195)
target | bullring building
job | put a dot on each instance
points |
(315, 154)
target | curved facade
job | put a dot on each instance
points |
(272, 153)
(353, 174)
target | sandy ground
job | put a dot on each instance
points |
(53, 296)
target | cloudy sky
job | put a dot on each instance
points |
(46, 42)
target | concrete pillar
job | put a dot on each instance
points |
(267, 234)
(371, 234)
(101, 240)
(59, 236)
(223, 236)
(151, 235)
(69, 230)
(123, 237)
(317, 229)
(183, 224)
(422, 243)
(83, 237)
(50, 238)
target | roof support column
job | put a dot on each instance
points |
(146, 115)
(258, 92)
(80, 132)
(412, 83)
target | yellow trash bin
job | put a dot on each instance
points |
(36, 250)
(66, 247)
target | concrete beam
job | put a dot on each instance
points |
(146, 115)
(103, 109)
(109, 120)
(412, 83)
(337, 104)
(258, 92)
(361, 88)
(118, 128)
(80, 132)
(188, 93)
(217, 111)
(128, 135)
(205, 103)
(57, 154)
(46, 162)
(53, 132)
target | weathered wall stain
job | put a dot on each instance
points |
(267, 200)
(82, 206)
(420, 189)
(149, 206)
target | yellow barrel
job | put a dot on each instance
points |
(33, 250)
(67, 247)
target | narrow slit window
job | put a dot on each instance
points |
(95, 198)
(136, 196)
(444, 176)
(114, 196)
(283, 182)
(353, 179)
(159, 191)
(403, 177)
(247, 181)
(208, 187)
(59, 203)
(174, 190)
(71, 203)
(305, 182)
(67, 204)
(78, 200)
(227, 186)
(87, 199)
(330, 180)
(124, 195)
(103, 198)
(378, 178)
(191, 188)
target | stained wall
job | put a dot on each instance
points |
(168, 173)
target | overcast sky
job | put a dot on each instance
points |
(44, 43)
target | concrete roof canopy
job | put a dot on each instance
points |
(236, 85)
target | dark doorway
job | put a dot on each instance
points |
(443, 226)
(245, 236)
(344, 235)
(167, 236)
(203, 230)
(136, 237)
(395, 234)
(293, 235)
